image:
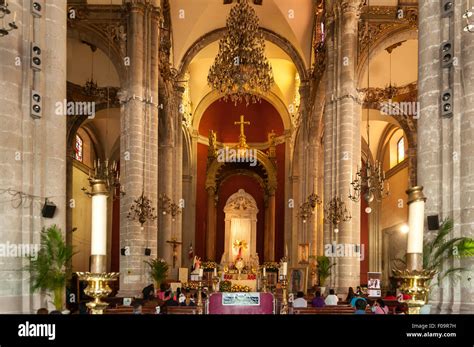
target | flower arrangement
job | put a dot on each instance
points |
(240, 288)
(271, 266)
(190, 285)
(209, 265)
(225, 286)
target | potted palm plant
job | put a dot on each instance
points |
(439, 249)
(324, 270)
(49, 267)
(158, 271)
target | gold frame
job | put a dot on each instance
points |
(304, 281)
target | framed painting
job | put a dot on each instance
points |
(298, 279)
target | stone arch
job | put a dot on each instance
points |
(213, 96)
(106, 45)
(262, 159)
(268, 35)
(390, 38)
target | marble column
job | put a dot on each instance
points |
(211, 224)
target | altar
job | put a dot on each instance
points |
(249, 280)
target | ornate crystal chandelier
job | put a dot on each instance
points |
(336, 212)
(142, 210)
(241, 70)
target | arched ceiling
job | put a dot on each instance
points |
(404, 67)
(291, 19)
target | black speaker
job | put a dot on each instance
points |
(36, 55)
(48, 209)
(147, 251)
(447, 103)
(447, 8)
(36, 105)
(433, 222)
(37, 8)
(447, 54)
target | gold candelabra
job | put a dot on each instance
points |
(215, 284)
(284, 303)
(264, 282)
(97, 285)
(200, 308)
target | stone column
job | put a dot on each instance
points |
(139, 106)
(269, 237)
(445, 145)
(342, 133)
(166, 158)
(211, 224)
(33, 152)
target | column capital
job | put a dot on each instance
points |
(351, 6)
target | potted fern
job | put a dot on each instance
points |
(158, 271)
(49, 268)
(324, 270)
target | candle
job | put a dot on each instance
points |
(416, 217)
(201, 272)
(14, 17)
(264, 271)
(285, 268)
(99, 225)
(215, 272)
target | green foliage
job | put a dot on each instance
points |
(225, 286)
(324, 268)
(158, 270)
(439, 250)
(48, 269)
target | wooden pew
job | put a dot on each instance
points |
(336, 309)
(181, 310)
(129, 310)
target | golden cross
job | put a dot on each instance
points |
(242, 124)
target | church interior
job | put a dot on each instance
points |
(236, 156)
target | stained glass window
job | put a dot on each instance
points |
(400, 150)
(78, 148)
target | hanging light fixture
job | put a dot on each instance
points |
(369, 179)
(142, 210)
(168, 207)
(307, 208)
(91, 87)
(241, 70)
(469, 27)
(4, 30)
(336, 212)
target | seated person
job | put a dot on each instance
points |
(300, 301)
(169, 301)
(331, 299)
(161, 293)
(137, 308)
(360, 306)
(390, 296)
(318, 300)
(148, 292)
(42, 310)
(187, 301)
(379, 307)
(357, 298)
